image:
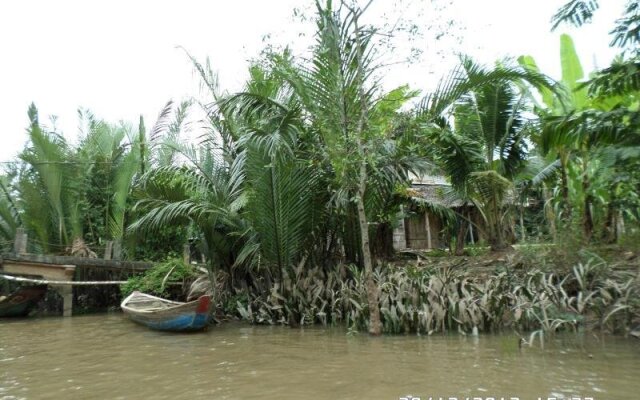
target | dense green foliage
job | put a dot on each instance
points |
(429, 300)
(308, 169)
(159, 280)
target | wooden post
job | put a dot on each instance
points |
(17, 239)
(523, 231)
(426, 218)
(117, 249)
(107, 250)
(186, 253)
(473, 241)
(20, 241)
(399, 233)
(25, 241)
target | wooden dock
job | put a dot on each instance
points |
(62, 268)
(55, 268)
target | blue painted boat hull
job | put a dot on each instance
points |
(181, 323)
(164, 315)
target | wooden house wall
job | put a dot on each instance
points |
(418, 236)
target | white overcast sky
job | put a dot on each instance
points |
(119, 57)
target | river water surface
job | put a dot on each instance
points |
(109, 357)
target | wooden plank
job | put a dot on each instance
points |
(79, 261)
(55, 272)
(416, 232)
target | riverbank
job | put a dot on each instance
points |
(523, 291)
(532, 288)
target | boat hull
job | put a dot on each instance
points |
(163, 315)
(22, 301)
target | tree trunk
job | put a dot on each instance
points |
(587, 218)
(460, 237)
(523, 230)
(351, 237)
(610, 231)
(548, 211)
(496, 231)
(382, 245)
(375, 326)
(564, 190)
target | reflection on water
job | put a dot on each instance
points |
(109, 357)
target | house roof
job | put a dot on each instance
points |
(438, 194)
(443, 195)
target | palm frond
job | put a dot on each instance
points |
(575, 12)
(470, 77)
(627, 30)
(543, 172)
(621, 78)
(280, 206)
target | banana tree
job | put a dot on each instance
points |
(574, 98)
(575, 126)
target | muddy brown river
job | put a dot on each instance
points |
(109, 357)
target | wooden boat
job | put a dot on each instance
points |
(21, 302)
(165, 315)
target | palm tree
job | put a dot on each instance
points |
(484, 147)
(203, 191)
(339, 95)
(623, 76)
(50, 186)
(312, 145)
(331, 113)
(9, 215)
(71, 194)
(280, 184)
(113, 156)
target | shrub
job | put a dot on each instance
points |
(432, 299)
(160, 279)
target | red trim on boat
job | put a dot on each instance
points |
(204, 303)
